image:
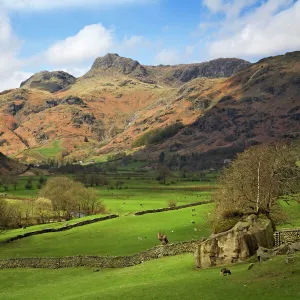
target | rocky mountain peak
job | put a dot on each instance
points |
(112, 62)
(221, 67)
(49, 81)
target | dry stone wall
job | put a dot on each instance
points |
(100, 261)
(67, 227)
(285, 236)
(152, 211)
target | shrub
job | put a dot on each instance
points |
(229, 214)
(28, 186)
(172, 203)
(224, 224)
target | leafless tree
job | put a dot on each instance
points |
(256, 180)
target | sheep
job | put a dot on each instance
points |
(225, 271)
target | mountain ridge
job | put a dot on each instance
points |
(106, 112)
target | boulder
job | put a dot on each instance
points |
(236, 244)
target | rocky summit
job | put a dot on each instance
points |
(115, 63)
(177, 74)
(49, 81)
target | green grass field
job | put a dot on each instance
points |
(136, 190)
(42, 153)
(293, 211)
(166, 278)
(114, 237)
(51, 151)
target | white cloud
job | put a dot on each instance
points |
(10, 65)
(271, 28)
(75, 71)
(213, 5)
(30, 5)
(167, 57)
(90, 42)
(133, 42)
(230, 8)
(13, 79)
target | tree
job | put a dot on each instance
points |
(28, 185)
(43, 209)
(162, 158)
(163, 173)
(119, 184)
(70, 198)
(14, 182)
(256, 180)
(5, 181)
(3, 215)
(184, 171)
(89, 203)
(42, 180)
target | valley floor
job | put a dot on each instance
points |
(166, 278)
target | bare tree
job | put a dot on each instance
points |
(70, 198)
(163, 174)
(43, 209)
(3, 215)
(256, 180)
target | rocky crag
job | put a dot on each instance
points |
(236, 244)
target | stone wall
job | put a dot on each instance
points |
(285, 236)
(100, 261)
(152, 211)
(67, 227)
(236, 244)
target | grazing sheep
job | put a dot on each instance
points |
(225, 272)
(140, 239)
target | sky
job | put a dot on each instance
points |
(69, 35)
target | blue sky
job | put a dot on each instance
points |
(69, 34)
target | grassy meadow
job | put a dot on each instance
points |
(140, 191)
(165, 278)
(169, 277)
(116, 236)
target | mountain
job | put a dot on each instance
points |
(222, 106)
(9, 166)
(113, 63)
(49, 81)
(170, 75)
(260, 104)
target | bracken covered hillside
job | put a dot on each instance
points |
(260, 104)
(53, 112)
(207, 111)
(9, 166)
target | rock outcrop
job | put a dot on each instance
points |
(236, 244)
(9, 166)
(221, 67)
(113, 63)
(265, 253)
(174, 75)
(49, 81)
